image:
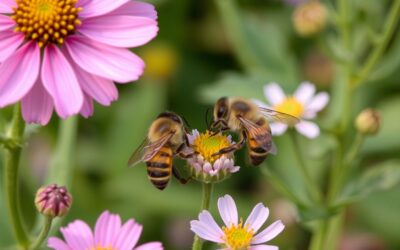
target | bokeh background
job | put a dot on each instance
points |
(191, 63)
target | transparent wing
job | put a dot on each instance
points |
(277, 116)
(260, 133)
(148, 150)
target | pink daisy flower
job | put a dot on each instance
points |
(64, 55)
(304, 104)
(109, 234)
(236, 235)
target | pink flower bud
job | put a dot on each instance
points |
(53, 200)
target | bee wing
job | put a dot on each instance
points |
(148, 150)
(261, 134)
(277, 116)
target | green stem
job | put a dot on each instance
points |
(317, 239)
(205, 204)
(310, 183)
(355, 149)
(43, 234)
(373, 58)
(12, 158)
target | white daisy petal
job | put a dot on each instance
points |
(264, 247)
(274, 93)
(204, 232)
(257, 217)
(206, 218)
(305, 92)
(269, 233)
(278, 128)
(227, 210)
(308, 129)
(260, 104)
(318, 102)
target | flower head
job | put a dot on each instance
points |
(310, 18)
(236, 235)
(368, 122)
(206, 166)
(53, 200)
(304, 104)
(64, 55)
(109, 234)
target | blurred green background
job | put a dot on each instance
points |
(195, 59)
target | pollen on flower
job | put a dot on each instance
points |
(207, 144)
(101, 248)
(238, 237)
(46, 21)
(291, 106)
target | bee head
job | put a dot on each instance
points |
(171, 115)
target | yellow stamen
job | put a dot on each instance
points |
(46, 21)
(101, 248)
(207, 145)
(290, 106)
(238, 237)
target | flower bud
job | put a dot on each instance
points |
(53, 200)
(368, 122)
(310, 18)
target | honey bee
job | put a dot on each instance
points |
(252, 122)
(166, 138)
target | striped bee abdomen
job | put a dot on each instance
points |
(258, 151)
(159, 168)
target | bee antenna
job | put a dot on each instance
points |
(208, 124)
(186, 122)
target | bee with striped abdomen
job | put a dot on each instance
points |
(166, 139)
(245, 117)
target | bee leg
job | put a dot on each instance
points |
(233, 147)
(184, 151)
(178, 176)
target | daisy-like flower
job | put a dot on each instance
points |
(109, 234)
(236, 235)
(304, 104)
(62, 55)
(205, 166)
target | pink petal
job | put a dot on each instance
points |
(134, 8)
(9, 42)
(87, 107)
(269, 233)
(78, 235)
(150, 246)
(6, 6)
(6, 22)
(107, 229)
(108, 62)
(227, 210)
(37, 105)
(57, 244)
(278, 128)
(305, 92)
(94, 8)
(128, 236)
(264, 247)
(204, 231)
(18, 73)
(100, 89)
(206, 218)
(61, 83)
(318, 102)
(120, 31)
(274, 93)
(308, 129)
(257, 217)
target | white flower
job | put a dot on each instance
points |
(304, 104)
(235, 235)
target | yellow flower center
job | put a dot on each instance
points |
(101, 248)
(207, 145)
(46, 21)
(290, 106)
(238, 237)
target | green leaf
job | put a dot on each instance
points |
(314, 213)
(381, 177)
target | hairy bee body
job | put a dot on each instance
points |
(159, 168)
(256, 150)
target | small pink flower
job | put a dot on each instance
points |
(235, 235)
(64, 55)
(304, 104)
(109, 234)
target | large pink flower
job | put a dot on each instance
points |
(109, 233)
(65, 54)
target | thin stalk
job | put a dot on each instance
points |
(205, 205)
(43, 233)
(376, 54)
(355, 148)
(12, 158)
(310, 183)
(317, 239)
